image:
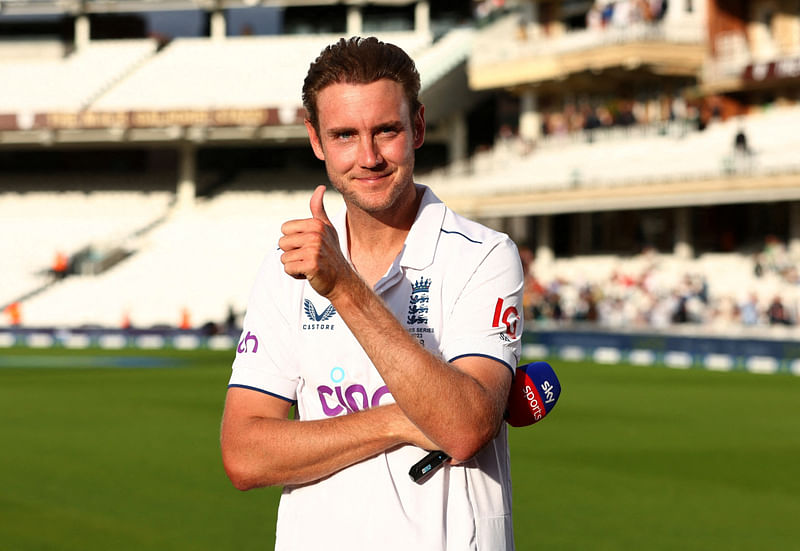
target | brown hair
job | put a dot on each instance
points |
(360, 61)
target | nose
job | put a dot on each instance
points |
(369, 153)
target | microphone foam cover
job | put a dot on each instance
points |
(534, 393)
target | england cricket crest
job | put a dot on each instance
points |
(418, 302)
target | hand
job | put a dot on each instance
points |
(311, 248)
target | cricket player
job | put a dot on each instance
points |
(393, 328)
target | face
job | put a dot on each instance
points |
(367, 139)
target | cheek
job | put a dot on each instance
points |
(398, 152)
(339, 158)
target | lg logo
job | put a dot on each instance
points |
(509, 317)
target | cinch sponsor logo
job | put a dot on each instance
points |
(338, 399)
(311, 313)
(248, 344)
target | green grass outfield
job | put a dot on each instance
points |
(96, 455)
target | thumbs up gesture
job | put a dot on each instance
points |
(311, 248)
(317, 205)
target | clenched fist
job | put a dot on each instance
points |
(311, 249)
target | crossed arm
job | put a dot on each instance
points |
(458, 409)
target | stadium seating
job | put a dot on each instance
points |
(71, 83)
(45, 223)
(635, 160)
(203, 259)
(190, 73)
(239, 72)
(643, 290)
(34, 50)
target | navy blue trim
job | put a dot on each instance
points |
(462, 235)
(484, 356)
(262, 391)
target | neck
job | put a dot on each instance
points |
(375, 239)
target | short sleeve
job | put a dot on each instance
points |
(263, 359)
(486, 318)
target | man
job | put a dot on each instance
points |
(394, 328)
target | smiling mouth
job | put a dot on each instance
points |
(372, 177)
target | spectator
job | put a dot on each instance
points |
(186, 322)
(60, 265)
(777, 314)
(748, 311)
(14, 314)
(740, 145)
(648, 292)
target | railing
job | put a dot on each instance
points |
(493, 43)
(734, 64)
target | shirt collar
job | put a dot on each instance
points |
(423, 237)
(420, 246)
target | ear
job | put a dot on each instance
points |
(313, 137)
(419, 127)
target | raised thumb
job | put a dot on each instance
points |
(317, 206)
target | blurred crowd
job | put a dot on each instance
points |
(621, 13)
(649, 292)
(598, 113)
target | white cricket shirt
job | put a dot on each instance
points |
(457, 287)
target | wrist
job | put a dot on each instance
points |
(394, 424)
(348, 288)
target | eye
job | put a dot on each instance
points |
(387, 130)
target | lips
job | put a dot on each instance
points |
(372, 176)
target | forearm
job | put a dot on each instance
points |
(268, 451)
(451, 407)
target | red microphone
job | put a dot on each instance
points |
(533, 395)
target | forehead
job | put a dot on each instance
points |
(345, 104)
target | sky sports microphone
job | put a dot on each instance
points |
(534, 393)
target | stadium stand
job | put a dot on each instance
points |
(634, 157)
(202, 255)
(239, 72)
(32, 50)
(203, 259)
(654, 290)
(44, 223)
(70, 83)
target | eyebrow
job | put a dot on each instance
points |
(341, 129)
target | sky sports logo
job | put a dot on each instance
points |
(536, 404)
